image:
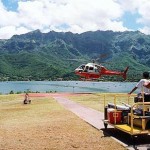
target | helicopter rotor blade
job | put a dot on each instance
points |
(76, 59)
(100, 58)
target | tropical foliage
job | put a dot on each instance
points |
(53, 55)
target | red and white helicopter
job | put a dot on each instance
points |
(94, 71)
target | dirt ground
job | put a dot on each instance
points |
(46, 125)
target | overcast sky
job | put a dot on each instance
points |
(77, 16)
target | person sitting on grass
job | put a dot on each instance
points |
(26, 99)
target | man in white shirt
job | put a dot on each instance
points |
(147, 84)
(141, 85)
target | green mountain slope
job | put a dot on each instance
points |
(48, 56)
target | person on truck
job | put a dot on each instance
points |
(147, 84)
(143, 89)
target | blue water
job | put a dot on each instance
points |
(65, 86)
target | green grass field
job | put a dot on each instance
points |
(97, 101)
(46, 125)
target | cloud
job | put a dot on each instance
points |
(144, 11)
(8, 31)
(141, 7)
(76, 16)
(145, 30)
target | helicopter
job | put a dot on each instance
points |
(94, 71)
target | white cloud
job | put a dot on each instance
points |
(7, 17)
(144, 12)
(130, 5)
(77, 15)
(145, 30)
(141, 7)
(9, 31)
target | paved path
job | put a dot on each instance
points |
(91, 116)
(94, 118)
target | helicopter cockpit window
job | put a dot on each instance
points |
(91, 68)
(86, 68)
(96, 70)
(82, 66)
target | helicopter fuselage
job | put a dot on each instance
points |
(87, 71)
(94, 71)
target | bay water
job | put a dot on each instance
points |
(66, 86)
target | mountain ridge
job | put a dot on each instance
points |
(48, 56)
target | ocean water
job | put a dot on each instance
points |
(65, 86)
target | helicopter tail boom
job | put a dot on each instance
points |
(123, 74)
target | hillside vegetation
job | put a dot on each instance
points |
(53, 55)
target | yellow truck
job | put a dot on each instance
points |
(133, 119)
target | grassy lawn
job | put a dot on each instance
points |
(96, 100)
(46, 125)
